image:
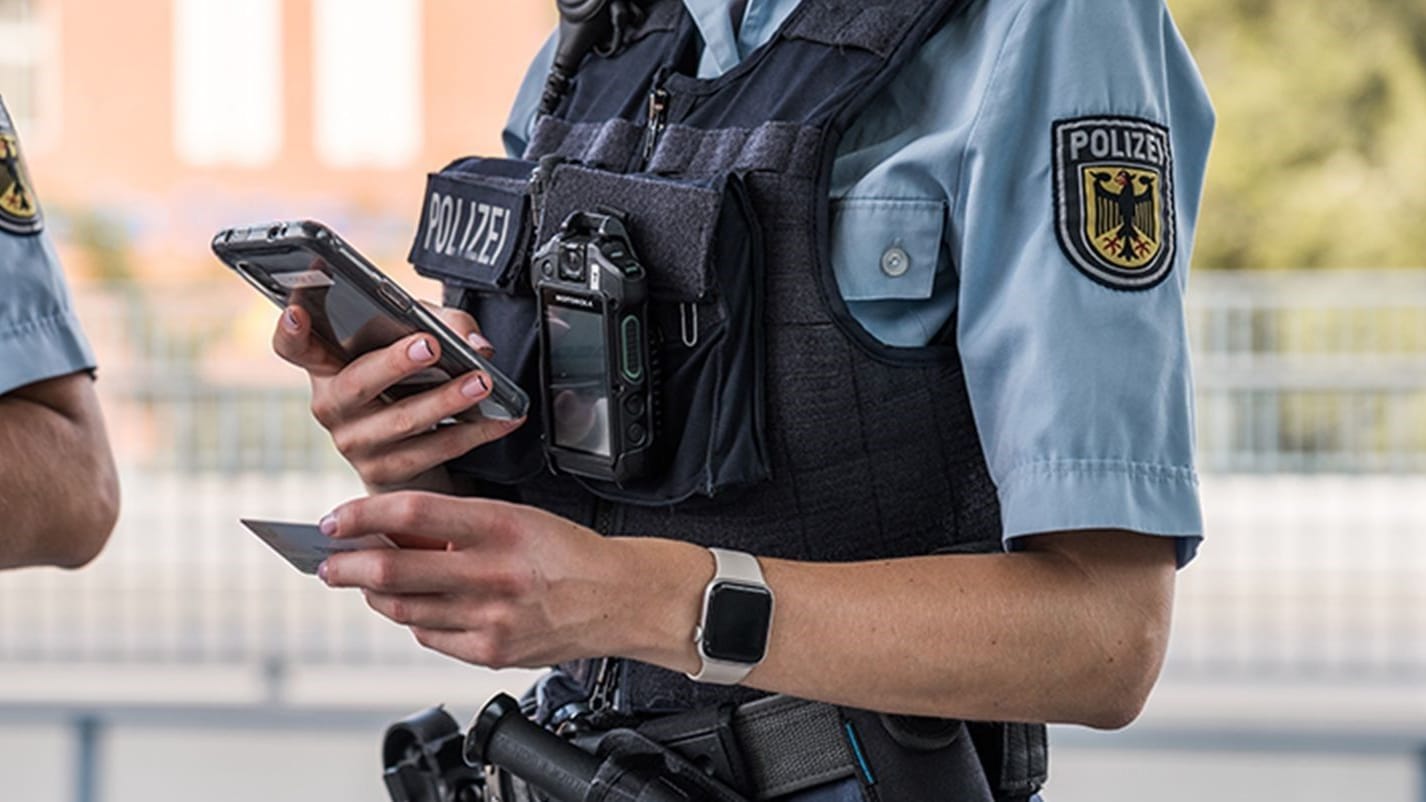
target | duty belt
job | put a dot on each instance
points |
(761, 750)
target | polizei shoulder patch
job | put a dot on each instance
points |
(1114, 200)
(19, 211)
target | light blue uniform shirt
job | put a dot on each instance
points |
(39, 335)
(945, 208)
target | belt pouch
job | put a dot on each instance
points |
(896, 771)
(706, 738)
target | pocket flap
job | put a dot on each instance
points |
(473, 224)
(886, 249)
(670, 223)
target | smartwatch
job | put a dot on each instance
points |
(732, 631)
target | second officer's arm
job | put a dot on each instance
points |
(59, 492)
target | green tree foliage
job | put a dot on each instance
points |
(1320, 155)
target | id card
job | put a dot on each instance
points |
(305, 546)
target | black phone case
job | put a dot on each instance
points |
(243, 249)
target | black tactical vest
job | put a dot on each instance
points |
(815, 442)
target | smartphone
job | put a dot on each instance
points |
(354, 308)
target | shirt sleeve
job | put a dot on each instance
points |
(527, 100)
(1072, 232)
(40, 337)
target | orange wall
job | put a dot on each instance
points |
(113, 146)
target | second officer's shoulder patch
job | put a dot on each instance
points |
(1114, 199)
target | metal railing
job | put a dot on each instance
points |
(1312, 399)
(1310, 371)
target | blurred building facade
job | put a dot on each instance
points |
(149, 124)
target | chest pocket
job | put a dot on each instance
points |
(886, 255)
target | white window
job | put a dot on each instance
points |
(227, 78)
(26, 83)
(368, 82)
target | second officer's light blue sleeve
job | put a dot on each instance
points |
(527, 100)
(1072, 231)
(40, 337)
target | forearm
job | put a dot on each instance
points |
(1032, 636)
(59, 491)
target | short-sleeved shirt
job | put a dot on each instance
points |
(1029, 183)
(40, 337)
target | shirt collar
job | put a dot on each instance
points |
(722, 50)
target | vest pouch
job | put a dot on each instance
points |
(474, 238)
(702, 250)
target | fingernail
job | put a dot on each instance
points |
(322, 571)
(475, 387)
(328, 524)
(420, 351)
(478, 342)
(289, 321)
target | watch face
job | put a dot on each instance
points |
(736, 626)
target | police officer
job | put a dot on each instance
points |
(59, 492)
(983, 481)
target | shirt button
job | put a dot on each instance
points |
(895, 262)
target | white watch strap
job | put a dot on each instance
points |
(736, 566)
(728, 566)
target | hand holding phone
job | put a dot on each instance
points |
(353, 307)
(397, 445)
(380, 381)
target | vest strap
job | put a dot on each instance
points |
(659, 17)
(878, 27)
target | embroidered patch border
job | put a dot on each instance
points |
(1114, 199)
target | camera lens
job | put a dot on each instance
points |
(572, 261)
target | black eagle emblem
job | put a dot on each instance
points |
(1125, 217)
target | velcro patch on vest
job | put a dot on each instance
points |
(1114, 199)
(19, 209)
(471, 233)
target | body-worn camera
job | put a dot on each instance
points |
(597, 383)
